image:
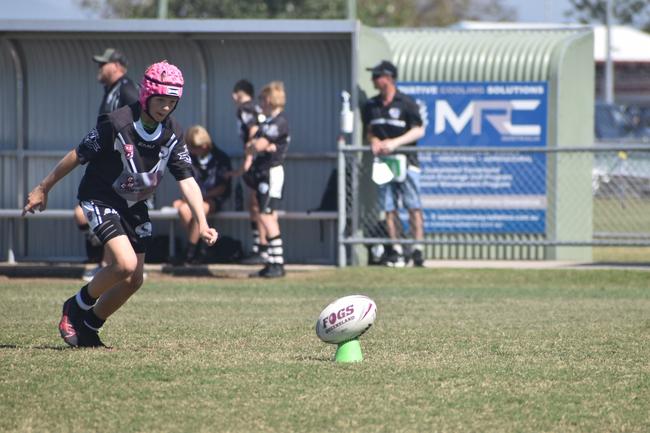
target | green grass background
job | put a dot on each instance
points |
(451, 351)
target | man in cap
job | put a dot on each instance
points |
(119, 91)
(392, 120)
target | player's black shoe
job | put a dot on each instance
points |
(88, 337)
(275, 270)
(418, 259)
(71, 321)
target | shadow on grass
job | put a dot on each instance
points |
(314, 358)
(201, 271)
(44, 347)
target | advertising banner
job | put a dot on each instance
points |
(483, 192)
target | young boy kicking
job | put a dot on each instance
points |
(126, 154)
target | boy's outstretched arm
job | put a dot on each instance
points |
(37, 198)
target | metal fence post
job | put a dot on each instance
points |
(342, 194)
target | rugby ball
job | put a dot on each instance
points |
(346, 318)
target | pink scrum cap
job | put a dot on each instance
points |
(161, 78)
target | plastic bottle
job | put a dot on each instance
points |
(347, 115)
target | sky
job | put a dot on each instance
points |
(540, 10)
(41, 9)
(527, 10)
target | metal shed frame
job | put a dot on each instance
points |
(191, 30)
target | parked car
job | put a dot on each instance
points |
(613, 122)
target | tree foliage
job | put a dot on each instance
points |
(415, 13)
(218, 9)
(384, 13)
(632, 12)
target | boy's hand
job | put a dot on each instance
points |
(209, 235)
(36, 200)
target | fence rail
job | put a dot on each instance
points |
(530, 197)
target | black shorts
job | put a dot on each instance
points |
(108, 223)
(268, 185)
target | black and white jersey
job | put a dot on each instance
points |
(121, 93)
(248, 115)
(275, 130)
(125, 162)
(210, 170)
(392, 120)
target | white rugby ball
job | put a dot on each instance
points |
(346, 318)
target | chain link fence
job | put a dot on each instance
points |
(505, 203)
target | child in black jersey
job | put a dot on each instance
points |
(127, 153)
(249, 116)
(265, 174)
(209, 165)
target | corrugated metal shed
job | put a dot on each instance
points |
(561, 57)
(452, 55)
(61, 98)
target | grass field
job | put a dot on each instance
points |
(629, 215)
(451, 351)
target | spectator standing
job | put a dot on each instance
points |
(392, 119)
(119, 89)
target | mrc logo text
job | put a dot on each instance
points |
(497, 113)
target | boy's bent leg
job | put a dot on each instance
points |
(117, 295)
(79, 323)
(107, 304)
(123, 262)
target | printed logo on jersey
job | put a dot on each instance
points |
(128, 151)
(143, 230)
(246, 117)
(184, 155)
(271, 131)
(90, 216)
(394, 112)
(128, 185)
(263, 187)
(91, 140)
(146, 145)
